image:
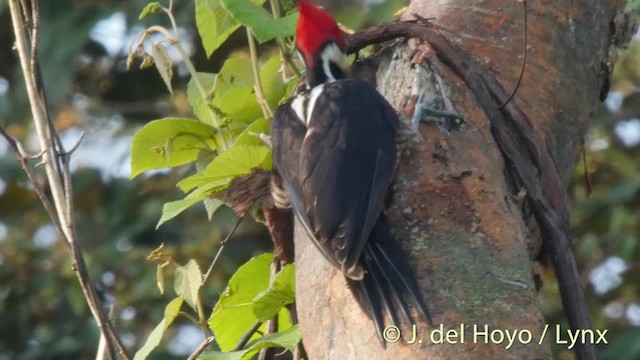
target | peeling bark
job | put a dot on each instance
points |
(461, 220)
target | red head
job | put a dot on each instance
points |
(316, 29)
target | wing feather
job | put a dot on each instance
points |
(337, 169)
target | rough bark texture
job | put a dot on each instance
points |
(455, 212)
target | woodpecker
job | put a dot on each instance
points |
(334, 155)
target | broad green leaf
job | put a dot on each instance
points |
(269, 302)
(169, 142)
(164, 64)
(261, 23)
(199, 104)
(170, 313)
(152, 341)
(238, 160)
(203, 160)
(174, 208)
(214, 24)
(232, 315)
(239, 104)
(287, 339)
(188, 280)
(249, 134)
(272, 84)
(211, 205)
(172, 310)
(200, 182)
(235, 73)
(151, 8)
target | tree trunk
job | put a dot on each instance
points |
(463, 224)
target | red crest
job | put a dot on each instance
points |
(316, 28)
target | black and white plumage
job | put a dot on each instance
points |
(334, 148)
(350, 130)
(334, 155)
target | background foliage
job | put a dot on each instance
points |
(84, 54)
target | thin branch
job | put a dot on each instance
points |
(206, 342)
(262, 100)
(286, 59)
(207, 275)
(272, 325)
(192, 70)
(58, 175)
(245, 338)
(23, 159)
(202, 319)
(524, 58)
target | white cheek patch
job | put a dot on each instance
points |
(332, 53)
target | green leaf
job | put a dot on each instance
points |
(152, 341)
(235, 73)
(232, 315)
(249, 134)
(287, 339)
(164, 64)
(169, 142)
(188, 280)
(269, 302)
(261, 23)
(238, 160)
(214, 24)
(239, 103)
(174, 208)
(273, 86)
(172, 310)
(151, 8)
(170, 313)
(211, 205)
(201, 105)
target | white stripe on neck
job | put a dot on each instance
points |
(310, 98)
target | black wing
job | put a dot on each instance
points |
(337, 169)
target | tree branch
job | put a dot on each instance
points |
(56, 165)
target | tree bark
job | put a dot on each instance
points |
(462, 222)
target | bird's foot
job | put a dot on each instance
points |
(444, 120)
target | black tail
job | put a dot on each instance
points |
(389, 287)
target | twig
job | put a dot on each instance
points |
(207, 275)
(246, 336)
(299, 352)
(23, 159)
(272, 325)
(286, 59)
(194, 355)
(262, 100)
(56, 166)
(175, 41)
(524, 58)
(587, 174)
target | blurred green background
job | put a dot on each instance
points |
(83, 52)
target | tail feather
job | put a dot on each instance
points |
(389, 287)
(369, 302)
(383, 291)
(394, 287)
